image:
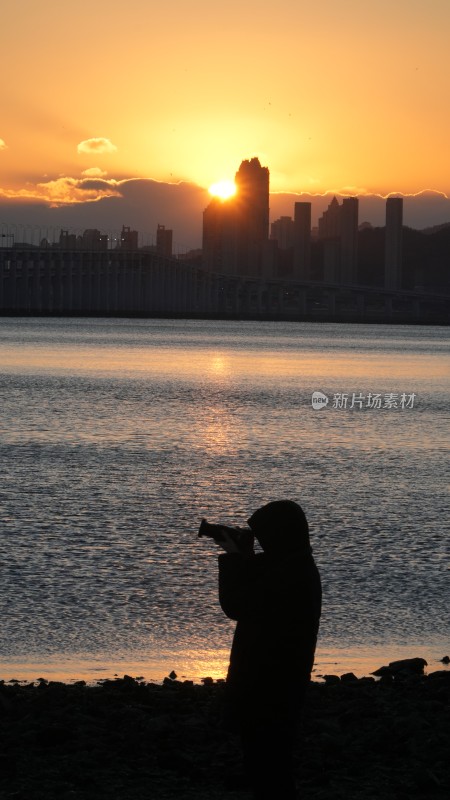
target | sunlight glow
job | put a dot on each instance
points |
(223, 189)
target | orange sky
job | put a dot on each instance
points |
(348, 94)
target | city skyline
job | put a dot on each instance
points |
(236, 240)
(144, 204)
(94, 99)
(239, 240)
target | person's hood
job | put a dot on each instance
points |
(280, 526)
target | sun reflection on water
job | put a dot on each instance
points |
(115, 448)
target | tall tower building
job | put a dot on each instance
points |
(338, 230)
(252, 209)
(236, 230)
(349, 240)
(128, 239)
(330, 221)
(302, 241)
(393, 243)
(329, 235)
(219, 237)
(282, 230)
(164, 238)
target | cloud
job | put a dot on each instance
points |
(354, 190)
(94, 172)
(67, 191)
(96, 146)
(73, 190)
(3, 145)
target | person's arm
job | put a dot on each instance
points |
(236, 583)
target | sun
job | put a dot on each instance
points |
(223, 189)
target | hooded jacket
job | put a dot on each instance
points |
(275, 597)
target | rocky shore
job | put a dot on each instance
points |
(360, 739)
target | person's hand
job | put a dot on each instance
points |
(227, 543)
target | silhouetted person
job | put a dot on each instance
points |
(275, 596)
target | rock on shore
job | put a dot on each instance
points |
(360, 739)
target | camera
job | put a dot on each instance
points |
(243, 537)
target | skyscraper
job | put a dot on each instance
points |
(338, 230)
(302, 241)
(128, 239)
(393, 243)
(349, 240)
(329, 222)
(282, 230)
(220, 237)
(164, 238)
(235, 230)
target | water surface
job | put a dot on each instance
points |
(118, 436)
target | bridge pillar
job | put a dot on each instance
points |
(67, 283)
(146, 288)
(95, 272)
(417, 308)
(178, 289)
(173, 289)
(13, 284)
(388, 306)
(332, 303)
(78, 282)
(57, 269)
(267, 306)
(194, 290)
(211, 284)
(161, 288)
(47, 299)
(280, 299)
(92, 285)
(2, 285)
(182, 289)
(167, 290)
(140, 286)
(105, 285)
(235, 303)
(36, 300)
(137, 300)
(360, 305)
(84, 283)
(214, 294)
(61, 269)
(202, 287)
(152, 288)
(246, 298)
(114, 286)
(131, 280)
(260, 298)
(302, 302)
(191, 289)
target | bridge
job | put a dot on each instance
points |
(49, 279)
